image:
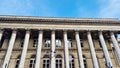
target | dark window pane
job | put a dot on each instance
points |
(47, 65)
(16, 66)
(17, 61)
(60, 60)
(43, 65)
(43, 61)
(56, 65)
(30, 65)
(31, 61)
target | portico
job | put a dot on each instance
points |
(67, 39)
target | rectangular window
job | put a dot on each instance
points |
(35, 41)
(47, 43)
(69, 43)
(100, 44)
(58, 43)
(81, 42)
(17, 63)
(21, 42)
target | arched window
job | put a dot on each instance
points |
(85, 62)
(71, 61)
(32, 61)
(17, 62)
(46, 61)
(58, 61)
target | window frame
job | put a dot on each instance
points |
(58, 43)
(69, 43)
(85, 61)
(46, 61)
(81, 42)
(17, 62)
(71, 61)
(21, 43)
(35, 42)
(58, 61)
(47, 43)
(32, 61)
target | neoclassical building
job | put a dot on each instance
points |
(49, 42)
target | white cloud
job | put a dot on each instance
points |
(110, 8)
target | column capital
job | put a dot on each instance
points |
(14, 31)
(40, 31)
(13, 28)
(88, 32)
(1, 30)
(27, 31)
(53, 31)
(76, 32)
(100, 32)
(65, 31)
(111, 32)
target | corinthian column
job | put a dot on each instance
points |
(9, 50)
(116, 46)
(39, 46)
(53, 50)
(66, 53)
(92, 50)
(24, 51)
(103, 44)
(80, 57)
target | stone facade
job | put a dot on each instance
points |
(23, 37)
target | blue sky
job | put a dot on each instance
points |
(62, 8)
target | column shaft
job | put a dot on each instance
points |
(92, 50)
(24, 51)
(66, 53)
(116, 46)
(9, 50)
(80, 57)
(106, 54)
(52, 50)
(1, 34)
(39, 46)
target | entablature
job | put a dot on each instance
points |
(53, 20)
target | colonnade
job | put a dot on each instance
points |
(66, 51)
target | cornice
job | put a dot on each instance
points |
(28, 19)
